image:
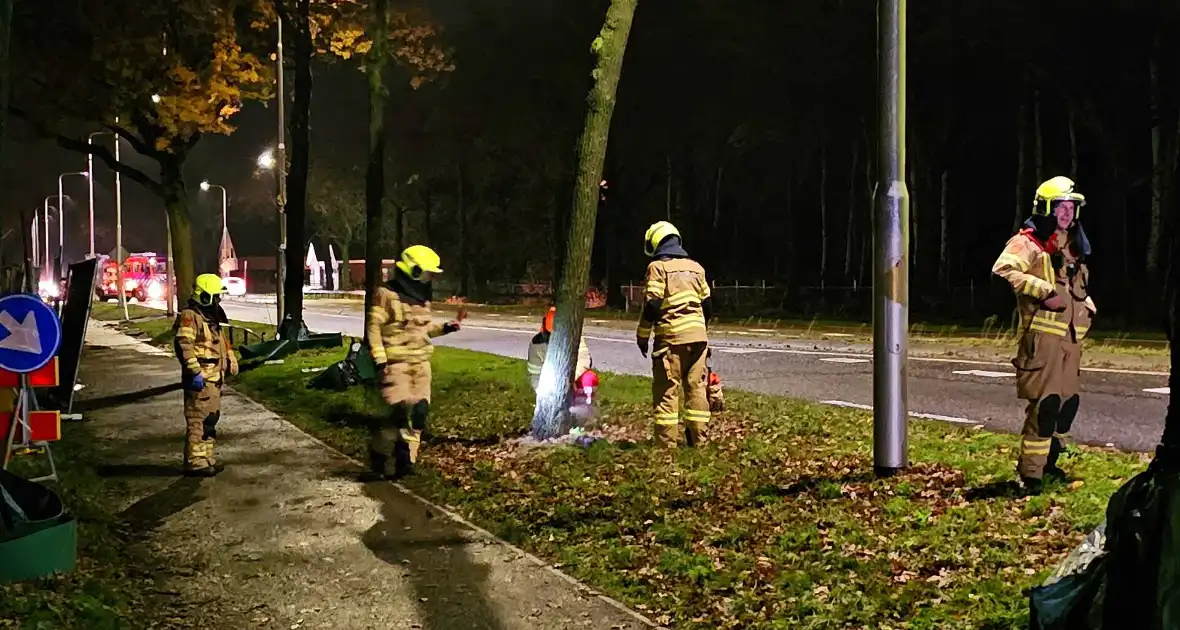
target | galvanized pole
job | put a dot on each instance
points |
(119, 233)
(90, 185)
(891, 248)
(281, 183)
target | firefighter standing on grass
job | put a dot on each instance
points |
(399, 334)
(205, 355)
(1045, 262)
(676, 303)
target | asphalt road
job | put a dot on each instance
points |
(1119, 407)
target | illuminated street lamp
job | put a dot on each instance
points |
(155, 98)
(266, 161)
(205, 186)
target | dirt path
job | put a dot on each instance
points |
(285, 537)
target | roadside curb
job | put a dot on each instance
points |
(480, 533)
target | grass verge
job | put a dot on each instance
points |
(779, 523)
(111, 588)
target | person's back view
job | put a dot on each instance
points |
(539, 347)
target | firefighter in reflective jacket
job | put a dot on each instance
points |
(205, 357)
(399, 333)
(539, 347)
(676, 304)
(1045, 262)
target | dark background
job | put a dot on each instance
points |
(754, 122)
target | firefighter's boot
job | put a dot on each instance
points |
(668, 434)
(695, 433)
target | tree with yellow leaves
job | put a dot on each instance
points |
(168, 72)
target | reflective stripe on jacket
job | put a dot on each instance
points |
(202, 347)
(680, 286)
(400, 332)
(1028, 268)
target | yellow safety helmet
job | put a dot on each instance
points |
(658, 231)
(1060, 188)
(417, 259)
(207, 286)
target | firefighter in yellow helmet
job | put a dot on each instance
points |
(1045, 262)
(677, 305)
(205, 355)
(399, 334)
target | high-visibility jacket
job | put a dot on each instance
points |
(539, 347)
(680, 288)
(1027, 265)
(202, 347)
(400, 332)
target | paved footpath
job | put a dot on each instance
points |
(285, 537)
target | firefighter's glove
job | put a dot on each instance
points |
(195, 383)
(642, 343)
(381, 367)
(450, 327)
(1054, 303)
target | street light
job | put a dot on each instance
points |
(155, 98)
(90, 176)
(266, 161)
(61, 221)
(205, 186)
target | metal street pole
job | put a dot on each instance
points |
(45, 273)
(90, 176)
(119, 233)
(61, 224)
(33, 239)
(281, 183)
(891, 248)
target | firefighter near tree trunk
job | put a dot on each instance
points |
(1045, 262)
(399, 338)
(676, 305)
(206, 357)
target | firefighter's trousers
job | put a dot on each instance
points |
(202, 410)
(676, 370)
(1047, 373)
(395, 438)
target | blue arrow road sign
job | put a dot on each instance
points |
(30, 333)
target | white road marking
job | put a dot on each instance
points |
(820, 353)
(984, 373)
(762, 330)
(843, 360)
(737, 350)
(1167, 391)
(925, 416)
(832, 334)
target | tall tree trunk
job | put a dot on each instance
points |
(179, 226)
(1021, 134)
(428, 214)
(5, 69)
(1073, 142)
(668, 185)
(346, 270)
(464, 248)
(944, 263)
(823, 209)
(717, 197)
(1156, 233)
(297, 176)
(375, 168)
(849, 232)
(551, 417)
(1037, 138)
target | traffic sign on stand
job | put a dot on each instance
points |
(30, 333)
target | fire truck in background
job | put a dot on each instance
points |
(144, 278)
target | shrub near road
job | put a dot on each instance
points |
(777, 524)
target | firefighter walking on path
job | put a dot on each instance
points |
(1045, 262)
(677, 305)
(206, 356)
(399, 334)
